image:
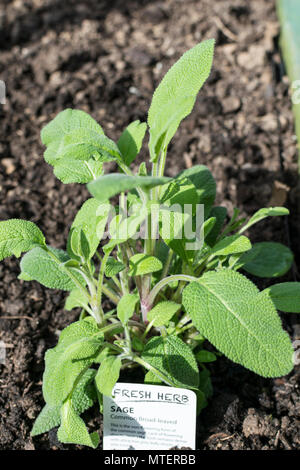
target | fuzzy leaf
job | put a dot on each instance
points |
(175, 96)
(205, 356)
(141, 264)
(237, 319)
(17, 236)
(113, 267)
(69, 170)
(108, 374)
(131, 140)
(231, 245)
(267, 259)
(126, 306)
(83, 398)
(73, 429)
(108, 186)
(38, 265)
(91, 218)
(162, 313)
(285, 296)
(174, 358)
(77, 348)
(204, 183)
(263, 213)
(76, 298)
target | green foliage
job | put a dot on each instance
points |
(17, 236)
(108, 186)
(131, 140)
(163, 312)
(108, 374)
(141, 264)
(267, 259)
(223, 306)
(169, 293)
(172, 357)
(175, 96)
(126, 306)
(285, 296)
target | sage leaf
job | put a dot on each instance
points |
(285, 296)
(230, 312)
(141, 264)
(131, 140)
(126, 306)
(162, 313)
(267, 259)
(17, 236)
(108, 374)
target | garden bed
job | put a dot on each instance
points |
(106, 58)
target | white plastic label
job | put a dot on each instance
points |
(149, 417)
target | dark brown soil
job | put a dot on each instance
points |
(106, 57)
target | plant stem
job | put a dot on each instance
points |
(166, 281)
(155, 371)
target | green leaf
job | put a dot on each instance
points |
(141, 264)
(73, 429)
(91, 219)
(65, 122)
(204, 183)
(285, 296)
(151, 378)
(262, 214)
(108, 374)
(237, 319)
(179, 191)
(48, 419)
(267, 259)
(162, 313)
(47, 268)
(77, 348)
(83, 398)
(78, 245)
(126, 306)
(175, 96)
(174, 358)
(113, 267)
(69, 170)
(205, 356)
(231, 245)
(76, 298)
(220, 214)
(108, 186)
(131, 140)
(17, 236)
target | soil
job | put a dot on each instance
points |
(106, 57)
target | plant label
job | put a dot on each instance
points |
(154, 417)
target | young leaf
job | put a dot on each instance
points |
(231, 245)
(267, 259)
(113, 267)
(227, 309)
(48, 419)
(204, 183)
(174, 358)
(262, 214)
(91, 218)
(205, 356)
(78, 245)
(108, 186)
(108, 374)
(285, 296)
(162, 313)
(17, 236)
(76, 298)
(76, 350)
(141, 264)
(39, 265)
(131, 140)
(73, 429)
(83, 398)
(220, 214)
(69, 170)
(175, 96)
(126, 306)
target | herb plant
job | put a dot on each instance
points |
(168, 291)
